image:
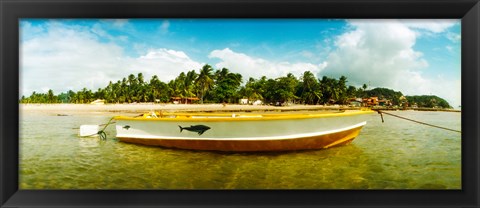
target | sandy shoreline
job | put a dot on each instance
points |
(69, 109)
(146, 107)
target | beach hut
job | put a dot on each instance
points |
(257, 102)
(244, 101)
(180, 100)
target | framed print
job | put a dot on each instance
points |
(249, 103)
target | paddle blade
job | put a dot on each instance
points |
(89, 130)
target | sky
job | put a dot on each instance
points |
(416, 57)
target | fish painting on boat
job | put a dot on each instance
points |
(243, 132)
(200, 129)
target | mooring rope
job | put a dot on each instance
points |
(102, 133)
(419, 122)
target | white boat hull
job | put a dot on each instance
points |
(247, 133)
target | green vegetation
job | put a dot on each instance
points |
(223, 86)
(386, 94)
(428, 101)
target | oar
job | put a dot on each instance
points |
(93, 130)
(89, 130)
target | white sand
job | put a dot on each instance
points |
(67, 109)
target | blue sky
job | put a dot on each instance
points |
(413, 56)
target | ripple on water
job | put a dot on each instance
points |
(391, 155)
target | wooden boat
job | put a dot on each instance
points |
(242, 132)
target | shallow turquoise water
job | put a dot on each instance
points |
(397, 154)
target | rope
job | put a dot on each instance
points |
(102, 133)
(419, 122)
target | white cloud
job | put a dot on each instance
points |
(446, 88)
(449, 48)
(164, 27)
(381, 54)
(431, 25)
(256, 67)
(100, 32)
(119, 23)
(70, 58)
(454, 37)
(375, 53)
(166, 64)
(27, 30)
(307, 54)
(65, 58)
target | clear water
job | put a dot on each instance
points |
(397, 154)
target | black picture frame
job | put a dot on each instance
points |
(12, 10)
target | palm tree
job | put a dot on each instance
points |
(130, 92)
(174, 88)
(310, 88)
(131, 80)
(140, 78)
(261, 88)
(154, 88)
(51, 98)
(226, 85)
(141, 92)
(327, 86)
(361, 91)
(342, 90)
(123, 90)
(286, 88)
(204, 81)
(71, 96)
(249, 89)
(188, 84)
(351, 91)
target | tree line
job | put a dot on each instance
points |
(428, 101)
(223, 86)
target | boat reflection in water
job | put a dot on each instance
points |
(242, 131)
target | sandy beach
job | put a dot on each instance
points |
(136, 108)
(69, 109)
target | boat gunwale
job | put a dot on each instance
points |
(240, 117)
